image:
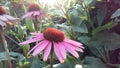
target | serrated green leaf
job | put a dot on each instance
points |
(116, 13)
(106, 26)
(82, 28)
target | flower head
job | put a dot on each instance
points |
(34, 7)
(6, 20)
(55, 38)
(34, 11)
(2, 10)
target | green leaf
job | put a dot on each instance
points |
(70, 62)
(87, 2)
(93, 62)
(19, 56)
(116, 13)
(36, 63)
(82, 28)
(101, 13)
(26, 48)
(84, 39)
(106, 26)
(29, 25)
(109, 40)
(20, 32)
(3, 56)
(119, 66)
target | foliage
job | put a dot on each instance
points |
(88, 21)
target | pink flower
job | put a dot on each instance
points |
(53, 38)
(6, 20)
(34, 12)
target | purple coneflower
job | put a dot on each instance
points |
(54, 40)
(34, 12)
(6, 20)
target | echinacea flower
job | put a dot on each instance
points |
(6, 20)
(34, 12)
(53, 38)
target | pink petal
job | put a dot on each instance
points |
(40, 37)
(29, 41)
(36, 33)
(36, 13)
(28, 14)
(62, 50)
(10, 17)
(41, 46)
(57, 52)
(75, 47)
(74, 43)
(33, 49)
(2, 23)
(47, 51)
(42, 14)
(70, 49)
(3, 18)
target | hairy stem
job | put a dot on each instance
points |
(6, 48)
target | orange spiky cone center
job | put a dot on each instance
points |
(2, 10)
(34, 7)
(54, 35)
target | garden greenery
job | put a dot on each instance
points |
(94, 23)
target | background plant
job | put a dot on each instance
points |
(88, 21)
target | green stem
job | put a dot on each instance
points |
(36, 23)
(6, 48)
(36, 26)
(86, 9)
(51, 58)
(40, 26)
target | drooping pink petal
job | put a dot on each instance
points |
(2, 18)
(78, 49)
(41, 46)
(10, 17)
(36, 33)
(57, 52)
(71, 50)
(33, 49)
(36, 13)
(47, 51)
(75, 47)
(28, 14)
(31, 40)
(42, 14)
(74, 43)
(2, 23)
(62, 50)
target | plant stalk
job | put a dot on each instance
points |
(51, 58)
(6, 47)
